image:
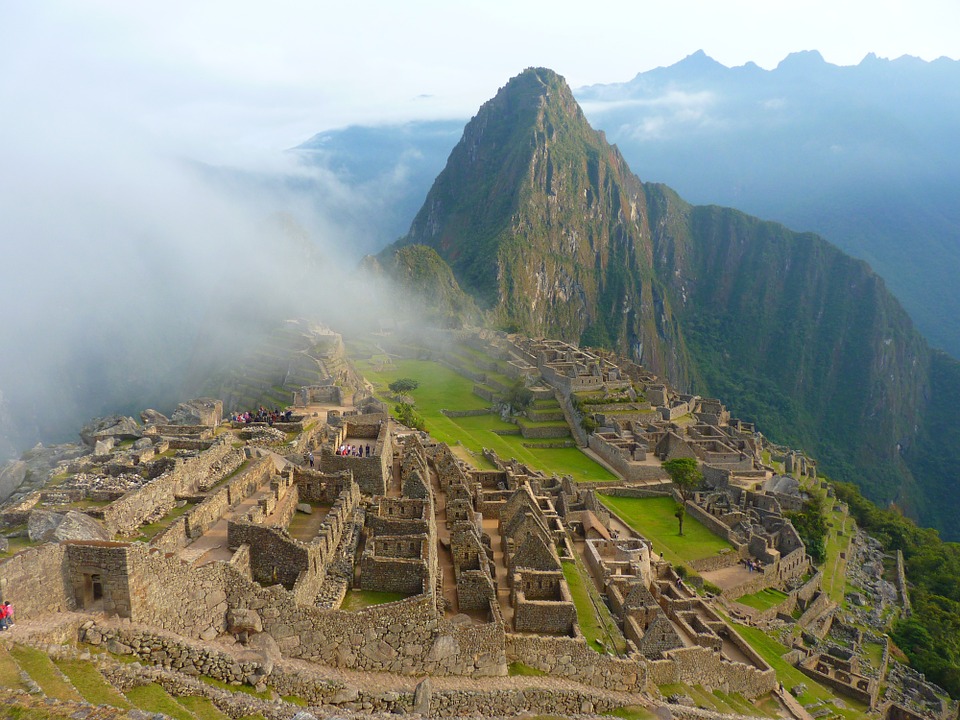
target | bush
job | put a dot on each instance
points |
(409, 417)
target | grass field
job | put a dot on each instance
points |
(593, 617)
(443, 389)
(359, 599)
(763, 600)
(653, 518)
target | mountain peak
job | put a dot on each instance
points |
(802, 61)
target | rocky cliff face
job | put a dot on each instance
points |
(541, 220)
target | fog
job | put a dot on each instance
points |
(123, 260)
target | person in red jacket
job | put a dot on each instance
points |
(3, 617)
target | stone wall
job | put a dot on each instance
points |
(902, 585)
(370, 473)
(713, 524)
(99, 575)
(172, 538)
(125, 515)
(205, 515)
(35, 583)
(393, 574)
(169, 594)
(314, 486)
(619, 459)
(700, 666)
(663, 490)
(573, 659)
(191, 658)
(274, 557)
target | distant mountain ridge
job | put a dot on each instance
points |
(867, 156)
(542, 221)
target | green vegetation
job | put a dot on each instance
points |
(931, 635)
(772, 651)
(519, 396)
(632, 712)
(653, 519)
(597, 625)
(359, 599)
(402, 386)
(519, 668)
(155, 699)
(409, 417)
(265, 695)
(41, 668)
(9, 671)
(811, 524)
(685, 474)
(763, 600)
(149, 531)
(91, 684)
(442, 388)
(201, 707)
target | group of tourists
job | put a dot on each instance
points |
(262, 414)
(353, 450)
(752, 565)
(6, 615)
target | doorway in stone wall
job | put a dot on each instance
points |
(92, 592)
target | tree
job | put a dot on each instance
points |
(409, 417)
(519, 396)
(686, 475)
(402, 386)
(680, 514)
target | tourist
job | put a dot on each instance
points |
(368, 450)
(3, 617)
(9, 611)
(311, 460)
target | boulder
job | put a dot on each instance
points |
(103, 446)
(200, 411)
(153, 417)
(421, 698)
(239, 620)
(46, 526)
(115, 426)
(11, 477)
(304, 508)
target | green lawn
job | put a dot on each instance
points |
(9, 672)
(654, 519)
(154, 699)
(91, 684)
(201, 707)
(593, 617)
(442, 389)
(40, 667)
(763, 600)
(359, 599)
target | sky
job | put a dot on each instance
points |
(227, 81)
(119, 244)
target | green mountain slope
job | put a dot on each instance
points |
(541, 221)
